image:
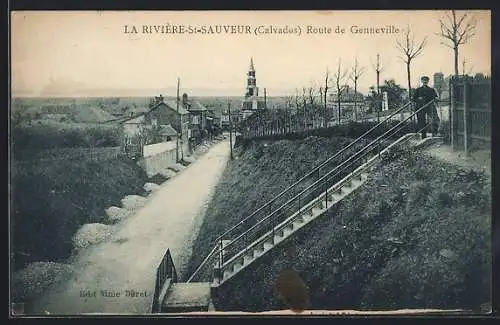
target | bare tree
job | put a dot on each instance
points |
(320, 90)
(457, 30)
(288, 107)
(297, 110)
(378, 67)
(304, 107)
(325, 94)
(357, 72)
(312, 93)
(410, 49)
(340, 77)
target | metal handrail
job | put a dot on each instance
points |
(219, 238)
(211, 254)
(315, 169)
(342, 165)
(300, 209)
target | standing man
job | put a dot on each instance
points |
(422, 96)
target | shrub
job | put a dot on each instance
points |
(50, 136)
(50, 201)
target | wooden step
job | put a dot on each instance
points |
(187, 297)
(297, 223)
(317, 211)
(287, 231)
(237, 267)
(248, 259)
(347, 184)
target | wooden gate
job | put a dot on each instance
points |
(470, 108)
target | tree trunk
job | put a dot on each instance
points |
(325, 112)
(455, 51)
(378, 81)
(355, 99)
(338, 102)
(409, 78)
(408, 70)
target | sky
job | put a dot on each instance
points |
(95, 53)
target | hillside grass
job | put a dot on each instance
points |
(51, 200)
(27, 141)
(258, 173)
(415, 235)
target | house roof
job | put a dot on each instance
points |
(197, 106)
(166, 102)
(167, 130)
(173, 105)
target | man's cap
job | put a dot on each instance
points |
(424, 78)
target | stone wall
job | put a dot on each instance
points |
(158, 163)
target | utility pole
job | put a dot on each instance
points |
(230, 128)
(180, 124)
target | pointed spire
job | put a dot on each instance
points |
(251, 64)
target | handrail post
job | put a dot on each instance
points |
(326, 191)
(378, 146)
(272, 224)
(221, 254)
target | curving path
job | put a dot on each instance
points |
(126, 264)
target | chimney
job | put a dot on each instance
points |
(184, 99)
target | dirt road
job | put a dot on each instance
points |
(118, 276)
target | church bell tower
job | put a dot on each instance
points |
(252, 89)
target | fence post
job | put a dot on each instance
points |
(466, 129)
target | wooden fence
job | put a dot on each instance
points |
(470, 109)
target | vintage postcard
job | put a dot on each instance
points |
(267, 162)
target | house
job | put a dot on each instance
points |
(168, 133)
(165, 119)
(216, 116)
(226, 120)
(199, 122)
(133, 138)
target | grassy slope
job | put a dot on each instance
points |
(51, 200)
(256, 176)
(428, 205)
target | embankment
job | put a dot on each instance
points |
(415, 235)
(52, 199)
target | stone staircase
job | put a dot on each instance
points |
(309, 212)
(289, 227)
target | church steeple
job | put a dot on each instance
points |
(252, 89)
